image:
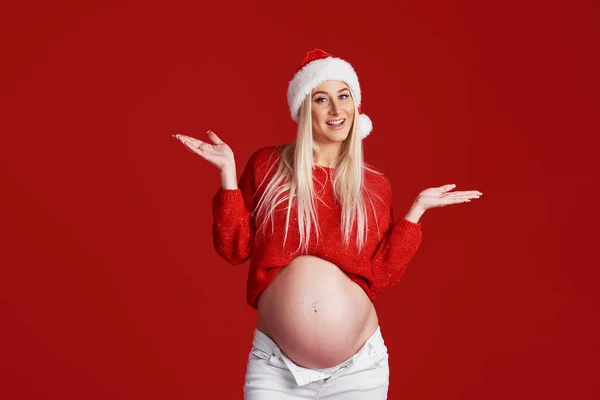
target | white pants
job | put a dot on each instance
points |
(271, 375)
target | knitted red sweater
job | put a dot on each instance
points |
(381, 263)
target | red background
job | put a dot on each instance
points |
(109, 285)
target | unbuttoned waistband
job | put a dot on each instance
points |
(374, 346)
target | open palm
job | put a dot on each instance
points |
(219, 154)
(441, 196)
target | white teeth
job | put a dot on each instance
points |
(339, 121)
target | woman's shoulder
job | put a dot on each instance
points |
(377, 183)
(265, 158)
(266, 152)
(265, 155)
(376, 176)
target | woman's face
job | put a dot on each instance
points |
(332, 110)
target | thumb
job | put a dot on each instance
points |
(213, 136)
(447, 188)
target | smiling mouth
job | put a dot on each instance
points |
(336, 123)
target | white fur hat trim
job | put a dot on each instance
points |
(318, 71)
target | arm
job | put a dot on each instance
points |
(397, 247)
(404, 237)
(415, 213)
(233, 225)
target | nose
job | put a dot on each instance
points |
(335, 108)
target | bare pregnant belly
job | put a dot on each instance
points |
(315, 313)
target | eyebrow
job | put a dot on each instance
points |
(322, 92)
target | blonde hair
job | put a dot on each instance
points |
(294, 179)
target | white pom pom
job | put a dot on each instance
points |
(365, 126)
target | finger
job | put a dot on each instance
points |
(470, 195)
(465, 199)
(449, 200)
(469, 198)
(194, 141)
(455, 200)
(181, 137)
(199, 144)
(470, 192)
(189, 145)
(199, 150)
(446, 188)
(213, 136)
(462, 194)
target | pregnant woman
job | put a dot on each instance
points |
(317, 225)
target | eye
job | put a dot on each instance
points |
(321, 99)
(344, 96)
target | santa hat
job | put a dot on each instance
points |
(317, 67)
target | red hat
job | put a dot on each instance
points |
(319, 66)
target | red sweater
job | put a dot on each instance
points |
(381, 263)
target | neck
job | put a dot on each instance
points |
(328, 153)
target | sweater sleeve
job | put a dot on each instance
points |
(395, 250)
(233, 222)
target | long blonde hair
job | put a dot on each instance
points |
(294, 175)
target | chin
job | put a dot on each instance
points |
(342, 136)
(331, 136)
(337, 138)
(337, 135)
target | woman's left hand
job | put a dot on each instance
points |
(441, 197)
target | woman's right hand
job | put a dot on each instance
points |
(218, 154)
